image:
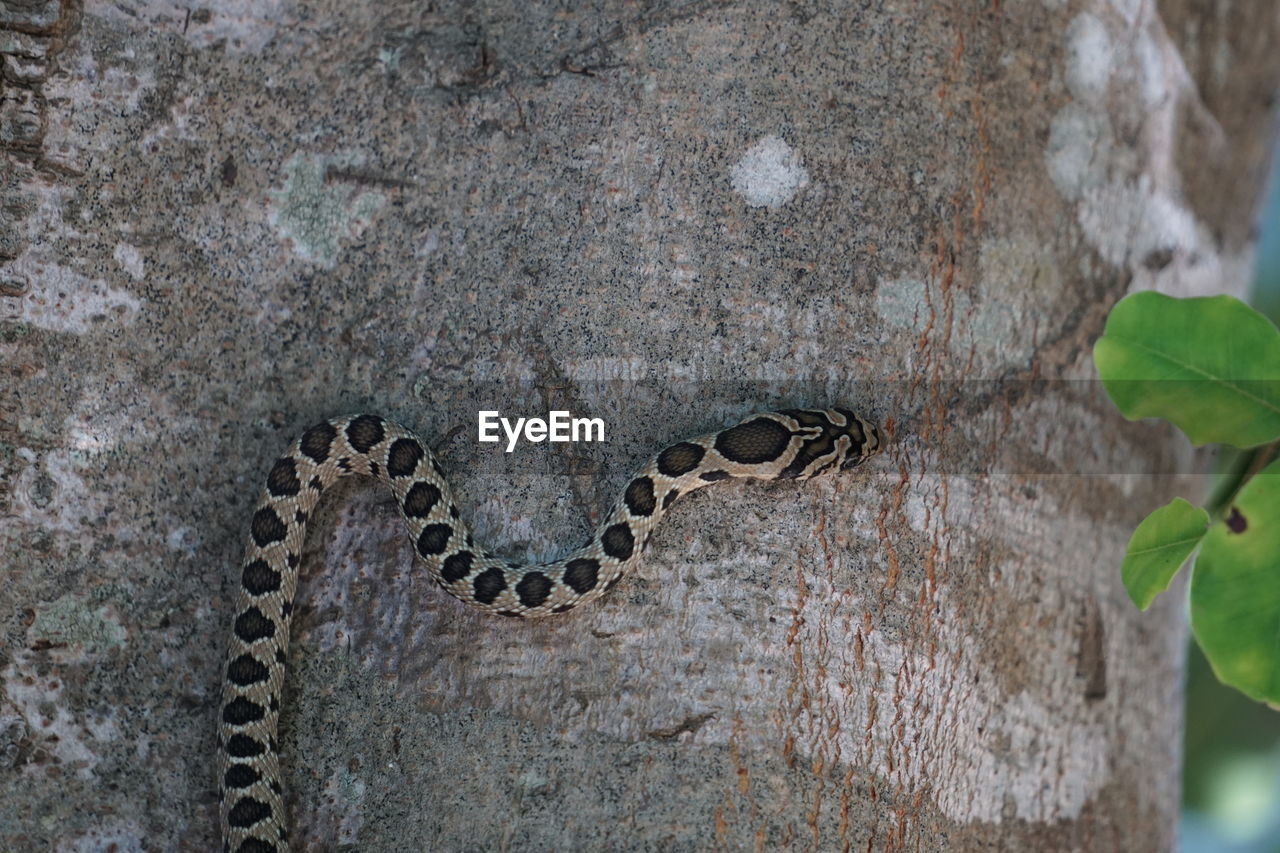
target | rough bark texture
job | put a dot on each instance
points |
(223, 223)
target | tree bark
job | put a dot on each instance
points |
(224, 223)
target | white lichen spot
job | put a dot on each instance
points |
(130, 260)
(1128, 9)
(902, 302)
(1220, 62)
(62, 300)
(317, 209)
(184, 539)
(72, 622)
(1126, 190)
(908, 305)
(69, 629)
(179, 125)
(1152, 73)
(984, 335)
(390, 59)
(428, 245)
(1089, 58)
(769, 174)
(342, 809)
(1012, 765)
(50, 726)
(42, 489)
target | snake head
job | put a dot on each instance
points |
(865, 439)
(831, 439)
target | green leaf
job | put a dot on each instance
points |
(1235, 590)
(1159, 547)
(1211, 365)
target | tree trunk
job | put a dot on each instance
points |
(224, 223)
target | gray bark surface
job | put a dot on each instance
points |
(223, 223)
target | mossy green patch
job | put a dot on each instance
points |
(318, 211)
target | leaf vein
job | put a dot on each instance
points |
(1192, 368)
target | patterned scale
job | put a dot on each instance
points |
(790, 444)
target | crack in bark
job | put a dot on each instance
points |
(688, 724)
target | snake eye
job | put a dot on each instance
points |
(852, 461)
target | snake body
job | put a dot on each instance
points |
(789, 444)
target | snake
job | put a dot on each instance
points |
(791, 444)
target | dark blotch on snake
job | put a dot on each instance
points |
(283, 482)
(639, 497)
(533, 589)
(267, 527)
(240, 776)
(811, 451)
(856, 434)
(807, 417)
(456, 566)
(259, 578)
(240, 711)
(246, 670)
(243, 746)
(300, 517)
(488, 585)
(680, 458)
(434, 539)
(849, 417)
(581, 574)
(247, 812)
(421, 499)
(256, 845)
(758, 440)
(670, 498)
(403, 457)
(315, 442)
(715, 476)
(618, 541)
(316, 484)
(365, 431)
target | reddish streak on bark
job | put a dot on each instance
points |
(984, 173)
(886, 542)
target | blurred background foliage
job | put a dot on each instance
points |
(1231, 774)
